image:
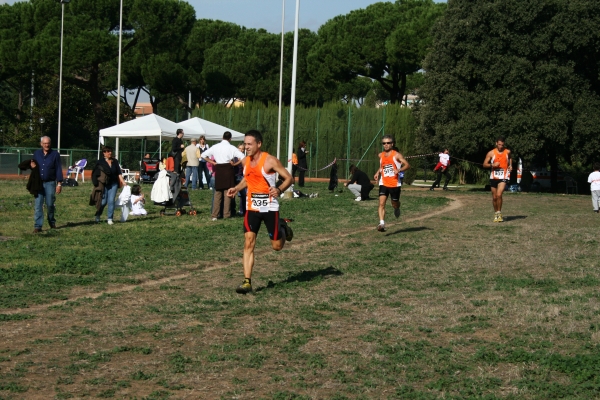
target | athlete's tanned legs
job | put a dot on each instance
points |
(382, 201)
(497, 196)
(249, 246)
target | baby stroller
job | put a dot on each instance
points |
(178, 197)
(149, 170)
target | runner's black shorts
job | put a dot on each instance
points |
(394, 192)
(253, 220)
(494, 182)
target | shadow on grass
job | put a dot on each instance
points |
(415, 229)
(92, 222)
(514, 218)
(304, 276)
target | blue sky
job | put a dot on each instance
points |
(267, 13)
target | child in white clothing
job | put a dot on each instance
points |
(137, 201)
(594, 181)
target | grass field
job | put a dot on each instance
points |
(445, 304)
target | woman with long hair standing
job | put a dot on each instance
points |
(107, 178)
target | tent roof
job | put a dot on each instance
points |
(209, 129)
(150, 126)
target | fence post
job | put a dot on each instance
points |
(310, 161)
(317, 149)
(287, 132)
(18, 161)
(348, 143)
(383, 123)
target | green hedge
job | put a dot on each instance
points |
(325, 130)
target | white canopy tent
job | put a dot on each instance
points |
(155, 127)
(151, 126)
(210, 130)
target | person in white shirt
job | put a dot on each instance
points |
(594, 181)
(442, 169)
(223, 154)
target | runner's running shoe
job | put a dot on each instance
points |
(289, 234)
(496, 216)
(381, 228)
(244, 288)
(500, 217)
(397, 212)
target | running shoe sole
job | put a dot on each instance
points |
(244, 288)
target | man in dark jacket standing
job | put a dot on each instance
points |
(177, 150)
(302, 165)
(48, 162)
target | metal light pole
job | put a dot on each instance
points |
(119, 75)
(293, 99)
(62, 24)
(42, 120)
(280, 81)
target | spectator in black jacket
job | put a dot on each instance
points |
(302, 165)
(359, 184)
(177, 150)
(110, 166)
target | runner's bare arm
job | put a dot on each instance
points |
(488, 158)
(509, 159)
(231, 192)
(273, 164)
(405, 164)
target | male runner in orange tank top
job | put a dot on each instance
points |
(498, 159)
(391, 163)
(260, 171)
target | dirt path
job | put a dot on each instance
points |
(454, 205)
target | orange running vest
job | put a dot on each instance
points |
(259, 182)
(389, 170)
(502, 171)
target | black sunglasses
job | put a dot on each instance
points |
(387, 142)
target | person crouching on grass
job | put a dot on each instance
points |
(260, 175)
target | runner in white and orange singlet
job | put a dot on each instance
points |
(391, 163)
(499, 161)
(260, 171)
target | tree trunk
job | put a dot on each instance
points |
(96, 97)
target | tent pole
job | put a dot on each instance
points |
(280, 83)
(293, 98)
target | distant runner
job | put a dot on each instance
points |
(500, 162)
(391, 163)
(260, 171)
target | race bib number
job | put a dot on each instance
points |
(260, 202)
(498, 174)
(388, 170)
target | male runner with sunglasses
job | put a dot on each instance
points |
(391, 163)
